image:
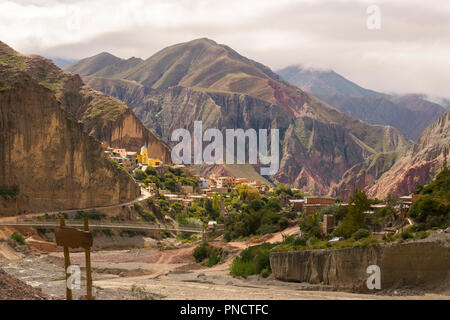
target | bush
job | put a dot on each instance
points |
(147, 216)
(92, 215)
(309, 225)
(18, 238)
(267, 228)
(253, 260)
(206, 251)
(265, 273)
(430, 212)
(9, 192)
(139, 175)
(406, 235)
(150, 171)
(361, 233)
(283, 223)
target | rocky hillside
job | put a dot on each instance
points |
(105, 118)
(399, 172)
(410, 114)
(46, 153)
(203, 80)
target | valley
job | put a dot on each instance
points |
(363, 177)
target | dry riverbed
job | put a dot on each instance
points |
(170, 274)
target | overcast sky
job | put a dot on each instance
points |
(410, 53)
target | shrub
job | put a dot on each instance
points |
(18, 238)
(206, 251)
(147, 216)
(92, 215)
(267, 228)
(170, 184)
(283, 223)
(361, 233)
(177, 207)
(309, 225)
(253, 260)
(265, 273)
(139, 175)
(9, 192)
(406, 235)
(150, 171)
(213, 259)
(430, 211)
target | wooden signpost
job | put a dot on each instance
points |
(68, 237)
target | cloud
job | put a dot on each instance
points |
(410, 53)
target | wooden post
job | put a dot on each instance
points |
(62, 223)
(88, 265)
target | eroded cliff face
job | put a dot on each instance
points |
(47, 154)
(105, 118)
(399, 173)
(411, 265)
(317, 154)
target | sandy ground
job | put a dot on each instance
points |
(170, 274)
(161, 275)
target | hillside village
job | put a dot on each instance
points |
(184, 188)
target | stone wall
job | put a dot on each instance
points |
(410, 265)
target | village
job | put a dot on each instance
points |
(200, 187)
(230, 233)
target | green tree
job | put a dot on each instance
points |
(150, 171)
(139, 175)
(430, 212)
(355, 218)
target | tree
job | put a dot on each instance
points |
(177, 207)
(309, 225)
(170, 185)
(139, 175)
(150, 171)
(355, 218)
(430, 212)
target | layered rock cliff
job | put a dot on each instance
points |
(47, 154)
(400, 172)
(421, 265)
(105, 118)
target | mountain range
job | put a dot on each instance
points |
(203, 80)
(411, 114)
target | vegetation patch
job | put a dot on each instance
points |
(253, 260)
(207, 254)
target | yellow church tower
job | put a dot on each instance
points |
(144, 155)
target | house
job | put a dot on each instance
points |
(313, 204)
(187, 189)
(328, 224)
(203, 183)
(297, 205)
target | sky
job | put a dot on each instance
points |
(408, 53)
